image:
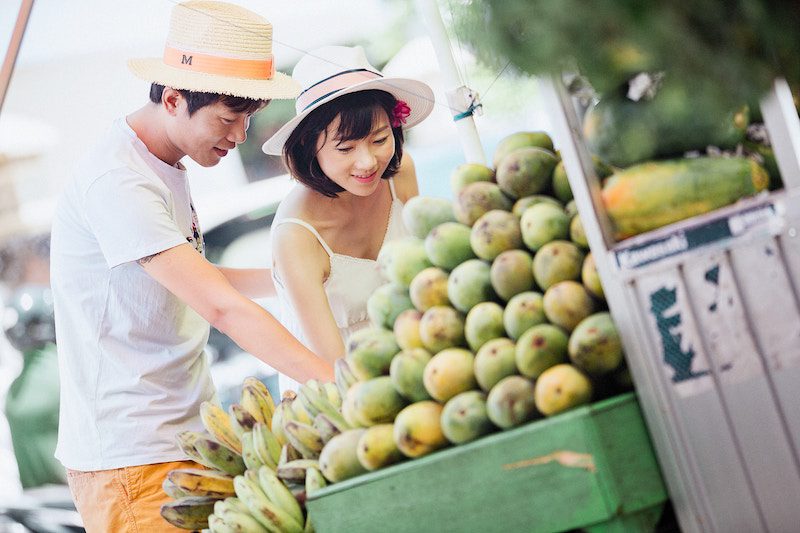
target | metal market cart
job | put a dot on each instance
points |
(709, 313)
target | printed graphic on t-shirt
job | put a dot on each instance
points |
(196, 239)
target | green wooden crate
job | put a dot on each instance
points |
(592, 468)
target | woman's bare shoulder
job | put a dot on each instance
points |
(405, 181)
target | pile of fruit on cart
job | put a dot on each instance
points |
(493, 316)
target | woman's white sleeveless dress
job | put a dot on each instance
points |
(350, 283)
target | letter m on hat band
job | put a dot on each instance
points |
(331, 85)
(261, 69)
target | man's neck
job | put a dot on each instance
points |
(148, 125)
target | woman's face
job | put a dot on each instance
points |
(357, 165)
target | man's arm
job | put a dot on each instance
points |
(207, 291)
(252, 282)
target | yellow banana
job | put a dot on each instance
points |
(220, 456)
(217, 422)
(314, 480)
(309, 526)
(279, 494)
(249, 454)
(265, 401)
(199, 482)
(295, 471)
(304, 438)
(270, 515)
(190, 512)
(241, 419)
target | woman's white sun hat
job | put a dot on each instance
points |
(221, 48)
(332, 71)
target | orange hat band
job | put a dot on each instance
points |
(254, 69)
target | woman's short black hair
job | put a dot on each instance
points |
(358, 112)
(197, 100)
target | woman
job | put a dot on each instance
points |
(345, 146)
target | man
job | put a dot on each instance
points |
(133, 293)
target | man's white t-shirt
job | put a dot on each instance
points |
(131, 354)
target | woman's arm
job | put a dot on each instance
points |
(300, 263)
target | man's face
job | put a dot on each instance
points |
(209, 133)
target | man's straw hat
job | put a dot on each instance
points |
(332, 71)
(216, 47)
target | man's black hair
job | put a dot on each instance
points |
(197, 100)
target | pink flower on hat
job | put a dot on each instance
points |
(400, 113)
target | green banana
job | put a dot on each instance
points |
(270, 515)
(279, 494)
(288, 453)
(333, 394)
(220, 456)
(217, 422)
(186, 440)
(232, 503)
(343, 376)
(295, 471)
(217, 525)
(304, 397)
(249, 454)
(309, 526)
(236, 516)
(200, 482)
(326, 429)
(304, 438)
(277, 421)
(314, 480)
(172, 490)
(319, 401)
(266, 445)
(300, 413)
(190, 512)
(241, 419)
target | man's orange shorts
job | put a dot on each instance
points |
(123, 500)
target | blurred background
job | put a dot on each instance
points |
(70, 82)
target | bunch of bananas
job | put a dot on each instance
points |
(261, 460)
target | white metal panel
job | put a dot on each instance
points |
(683, 363)
(743, 384)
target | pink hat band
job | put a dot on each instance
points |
(331, 85)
